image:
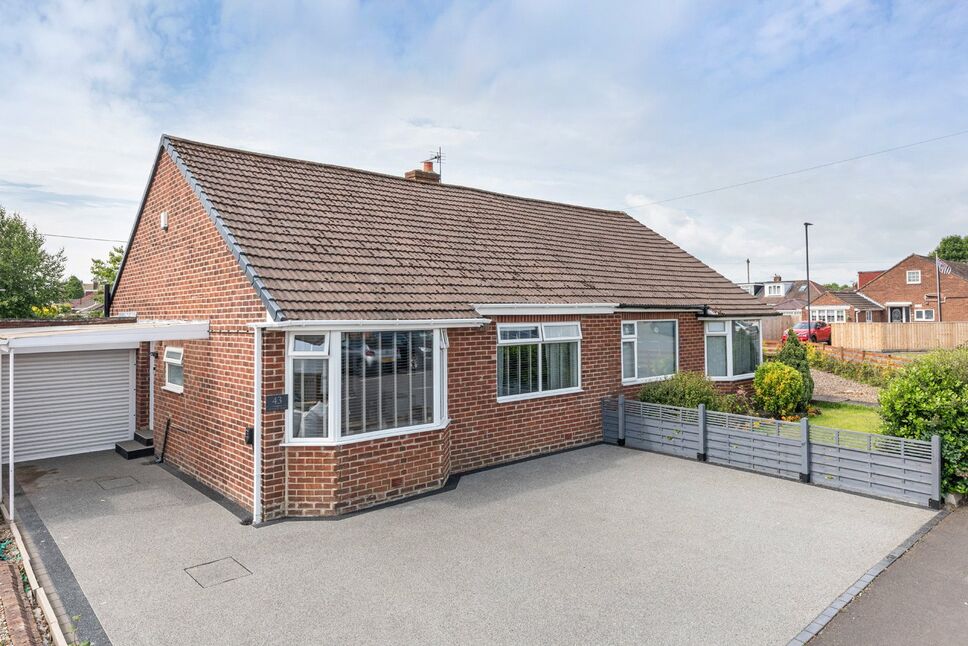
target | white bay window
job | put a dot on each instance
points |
(348, 386)
(538, 359)
(733, 349)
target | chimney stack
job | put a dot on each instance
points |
(776, 278)
(425, 174)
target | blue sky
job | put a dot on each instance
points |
(615, 105)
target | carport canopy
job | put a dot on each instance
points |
(77, 338)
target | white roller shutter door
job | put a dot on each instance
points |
(68, 402)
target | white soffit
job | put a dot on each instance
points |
(99, 336)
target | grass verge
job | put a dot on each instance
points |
(851, 417)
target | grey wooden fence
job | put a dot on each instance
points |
(880, 465)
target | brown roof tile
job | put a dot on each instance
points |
(336, 243)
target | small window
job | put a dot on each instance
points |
(174, 370)
(538, 359)
(309, 343)
(914, 277)
(774, 290)
(869, 316)
(923, 315)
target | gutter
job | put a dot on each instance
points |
(370, 324)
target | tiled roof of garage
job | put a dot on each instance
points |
(329, 242)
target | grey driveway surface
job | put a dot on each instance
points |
(921, 599)
(598, 545)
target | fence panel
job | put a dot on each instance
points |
(879, 465)
(899, 337)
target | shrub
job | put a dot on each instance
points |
(794, 354)
(930, 397)
(867, 373)
(778, 389)
(686, 389)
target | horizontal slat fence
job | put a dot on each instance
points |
(899, 337)
(878, 465)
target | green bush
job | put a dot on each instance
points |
(689, 389)
(865, 373)
(930, 397)
(794, 354)
(778, 389)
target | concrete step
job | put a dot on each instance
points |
(131, 449)
(145, 436)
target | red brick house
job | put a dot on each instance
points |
(844, 306)
(373, 335)
(908, 291)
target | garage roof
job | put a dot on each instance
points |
(90, 337)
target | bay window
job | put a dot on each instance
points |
(732, 349)
(355, 385)
(650, 350)
(537, 359)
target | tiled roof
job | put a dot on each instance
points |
(857, 300)
(336, 243)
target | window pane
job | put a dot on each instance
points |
(567, 331)
(388, 380)
(517, 369)
(309, 343)
(176, 374)
(746, 347)
(559, 365)
(519, 333)
(716, 326)
(628, 329)
(716, 356)
(310, 397)
(628, 360)
(657, 348)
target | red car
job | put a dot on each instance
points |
(817, 331)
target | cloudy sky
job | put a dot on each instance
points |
(616, 105)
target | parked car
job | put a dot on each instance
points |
(816, 331)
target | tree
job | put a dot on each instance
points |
(105, 271)
(953, 247)
(29, 275)
(73, 288)
(835, 287)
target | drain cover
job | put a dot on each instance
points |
(116, 483)
(216, 572)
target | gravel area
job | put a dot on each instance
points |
(830, 387)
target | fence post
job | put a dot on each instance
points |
(621, 420)
(935, 501)
(804, 449)
(701, 453)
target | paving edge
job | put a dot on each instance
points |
(56, 634)
(821, 621)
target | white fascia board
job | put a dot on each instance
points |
(539, 309)
(53, 339)
(371, 324)
(898, 303)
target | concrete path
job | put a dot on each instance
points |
(921, 599)
(599, 545)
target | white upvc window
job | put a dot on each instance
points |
(924, 315)
(774, 290)
(350, 386)
(535, 360)
(830, 315)
(174, 370)
(913, 277)
(869, 316)
(650, 350)
(733, 349)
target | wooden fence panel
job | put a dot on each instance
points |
(774, 326)
(899, 337)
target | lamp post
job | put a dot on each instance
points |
(806, 237)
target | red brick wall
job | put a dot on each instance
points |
(892, 286)
(189, 273)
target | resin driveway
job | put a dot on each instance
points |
(597, 545)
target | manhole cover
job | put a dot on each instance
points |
(220, 571)
(116, 483)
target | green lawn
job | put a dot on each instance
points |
(847, 416)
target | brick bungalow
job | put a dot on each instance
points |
(372, 335)
(908, 291)
(844, 306)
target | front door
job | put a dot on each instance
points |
(900, 314)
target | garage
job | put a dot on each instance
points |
(71, 389)
(69, 402)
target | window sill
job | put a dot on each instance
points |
(178, 390)
(363, 437)
(745, 377)
(646, 380)
(545, 393)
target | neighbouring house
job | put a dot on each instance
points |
(86, 304)
(329, 339)
(844, 306)
(787, 297)
(908, 291)
(864, 277)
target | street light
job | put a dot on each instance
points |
(806, 236)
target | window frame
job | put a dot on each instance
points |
(728, 333)
(174, 355)
(922, 311)
(774, 287)
(334, 344)
(634, 339)
(907, 276)
(541, 340)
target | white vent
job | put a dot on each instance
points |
(164, 220)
